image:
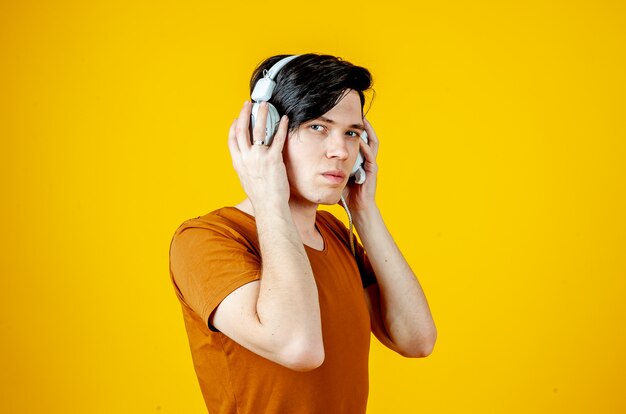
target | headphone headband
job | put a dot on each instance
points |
(276, 67)
(264, 87)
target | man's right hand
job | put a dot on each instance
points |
(260, 168)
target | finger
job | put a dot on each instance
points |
(233, 146)
(242, 127)
(232, 138)
(369, 157)
(278, 142)
(260, 123)
(368, 152)
(372, 138)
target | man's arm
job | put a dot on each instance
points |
(400, 315)
(277, 317)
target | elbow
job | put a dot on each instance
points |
(303, 356)
(420, 347)
(418, 352)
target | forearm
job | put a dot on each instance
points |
(403, 306)
(277, 317)
(288, 305)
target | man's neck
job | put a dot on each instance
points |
(303, 215)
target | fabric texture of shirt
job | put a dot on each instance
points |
(210, 257)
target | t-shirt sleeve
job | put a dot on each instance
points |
(208, 261)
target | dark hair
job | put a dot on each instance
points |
(311, 85)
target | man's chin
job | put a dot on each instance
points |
(331, 201)
(326, 197)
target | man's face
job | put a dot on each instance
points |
(320, 154)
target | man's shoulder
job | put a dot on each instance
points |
(329, 220)
(225, 220)
(328, 217)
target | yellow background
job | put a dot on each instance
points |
(502, 177)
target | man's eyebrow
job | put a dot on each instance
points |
(330, 121)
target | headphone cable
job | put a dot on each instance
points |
(345, 206)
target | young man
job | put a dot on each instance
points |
(277, 307)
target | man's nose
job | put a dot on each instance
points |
(337, 147)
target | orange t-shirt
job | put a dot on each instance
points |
(211, 256)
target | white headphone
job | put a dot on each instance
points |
(262, 92)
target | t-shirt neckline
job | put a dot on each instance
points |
(308, 248)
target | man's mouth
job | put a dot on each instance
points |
(334, 176)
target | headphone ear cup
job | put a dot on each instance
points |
(271, 125)
(357, 163)
(357, 170)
